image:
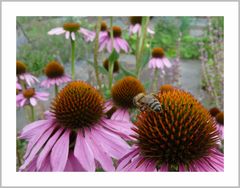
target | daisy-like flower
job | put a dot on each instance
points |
(135, 26)
(158, 59)
(76, 128)
(70, 29)
(182, 137)
(30, 97)
(55, 75)
(22, 74)
(115, 66)
(118, 43)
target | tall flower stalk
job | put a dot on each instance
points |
(96, 53)
(73, 58)
(110, 70)
(139, 50)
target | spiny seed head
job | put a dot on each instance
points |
(220, 118)
(158, 53)
(115, 66)
(103, 26)
(117, 31)
(21, 68)
(78, 105)
(71, 26)
(125, 90)
(135, 20)
(166, 88)
(28, 93)
(54, 70)
(183, 131)
(214, 111)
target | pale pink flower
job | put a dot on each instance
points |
(55, 75)
(158, 60)
(135, 26)
(70, 30)
(30, 97)
(118, 42)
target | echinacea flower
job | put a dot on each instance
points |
(158, 59)
(182, 137)
(103, 29)
(122, 94)
(115, 65)
(55, 75)
(166, 88)
(135, 26)
(76, 125)
(118, 42)
(30, 97)
(70, 29)
(22, 74)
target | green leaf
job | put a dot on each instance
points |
(113, 56)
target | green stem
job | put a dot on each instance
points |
(110, 65)
(155, 81)
(19, 158)
(32, 114)
(73, 58)
(137, 50)
(56, 89)
(96, 54)
(145, 22)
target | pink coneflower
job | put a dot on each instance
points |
(182, 137)
(18, 86)
(55, 75)
(75, 124)
(23, 75)
(30, 97)
(158, 59)
(70, 29)
(118, 42)
(103, 29)
(135, 26)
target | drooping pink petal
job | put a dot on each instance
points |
(181, 168)
(46, 165)
(83, 153)
(150, 31)
(151, 167)
(60, 151)
(54, 31)
(136, 28)
(109, 46)
(111, 143)
(33, 101)
(73, 36)
(87, 35)
(123, 44)
(47, 148)
(73, 164)
(159, 63)
(116, 46)
(166, 62)
(99, 154)
(127, 158)
(37, 147)
(23, 102)
(67, 35)
(121, 114)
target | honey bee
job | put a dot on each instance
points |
(147, 102)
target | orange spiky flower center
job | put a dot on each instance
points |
(54, 70)
(115, 66)
(220, 118)
(78, 105)
(117, 31)
(135, 20)
(71, 26)
(158, 53)
(182, 132)
(28, 93)
(214, 111)
(166, 88)
(125, 90)
(103, 26)
(21, 68)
